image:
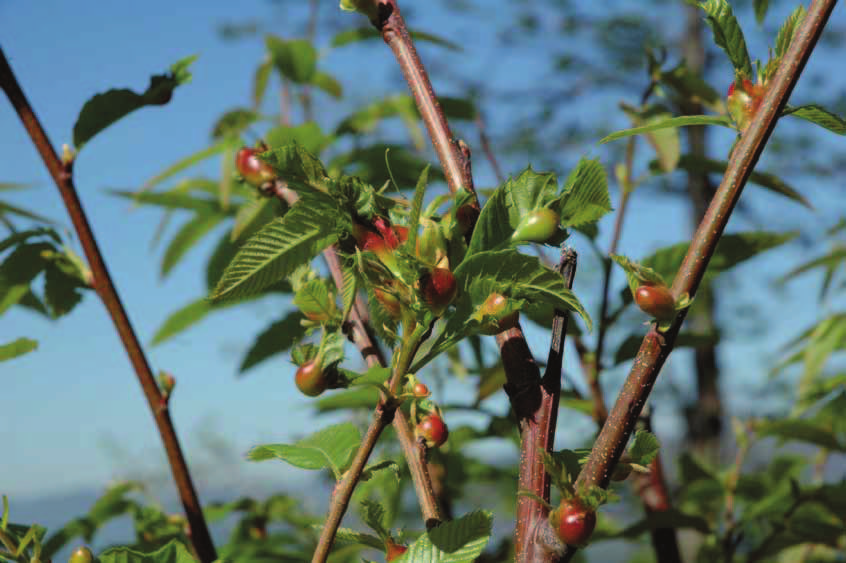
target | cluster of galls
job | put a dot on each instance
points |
(437, 286)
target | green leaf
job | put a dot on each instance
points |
(819, 116)
(233, 123)
(373, 515)
(19, 269)
(788, 29)
(417, 207)
(637, 274)
(177, 198)
(317, 299)
(349, 290)
(458, 541)
(6, 208)
(585, 199)
(644, 447)
(345, 535)
(61, 289)
(182, 319)
(16, 348)
(665, 142)
(295, 59)
(510, 203)
(172, 552)
(104, 109)
(682, 121)
(260, 81)
(332, 448)
(301, 169)
(727, 35)
(275, 339)
(183, 164)
(253, 214)
(307, 134)
(794, 429)
(363, 398)
(23, 236)
(761, 7)
(281, 246)
(186, 237)
(691, 86)
(328, 84)
(518, 276)
(698, 164)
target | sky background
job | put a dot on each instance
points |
(72, 416)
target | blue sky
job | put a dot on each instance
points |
(73, 416)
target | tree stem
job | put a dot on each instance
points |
(656, 346)
(63, 177)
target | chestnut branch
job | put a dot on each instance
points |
(62, 173)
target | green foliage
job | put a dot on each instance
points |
(281, 246)
(695, 164)
(788, 29)
(17, 347)
(671, 122)
(644, 447)
(727, 35)
(583, 200)
(818, 115)
(459, 541)
(277, 338)
(104, 109)
(173, 552)
(330, 448)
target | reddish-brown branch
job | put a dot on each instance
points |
(391, 25)
(106, 290)
(656, 347)
(535, 404)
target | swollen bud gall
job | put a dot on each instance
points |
(537, 226)
(656, 300)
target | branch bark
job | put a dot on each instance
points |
(62, 174)
(391, 25)
(657, 346)
(535, 404)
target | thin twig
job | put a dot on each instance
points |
(63, 177)
(384, 415)
(535, 404)
(600, 410)
(486, 148)
(364, 340)
(657, 346)
(395, 33)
